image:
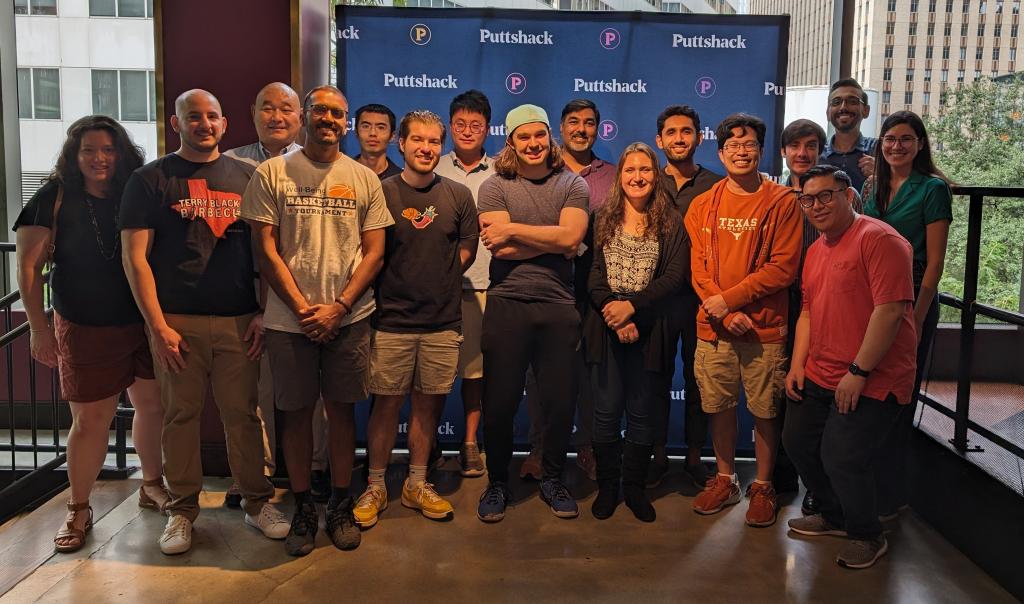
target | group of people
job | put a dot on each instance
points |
(544, 268)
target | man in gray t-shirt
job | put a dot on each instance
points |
(533, 216)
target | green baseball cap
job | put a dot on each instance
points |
(525, 114)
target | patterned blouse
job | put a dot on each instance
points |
(630, 261)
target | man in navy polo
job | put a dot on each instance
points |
(848, 149)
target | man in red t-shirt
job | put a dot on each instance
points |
(853, 363)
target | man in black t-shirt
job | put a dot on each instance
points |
(189, 262)
(418, 326)
(375, 125)
(679, 136)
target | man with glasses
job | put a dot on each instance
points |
(745, 233)
(848, 149)
(375, 125)
(469, 117)
(853, 363)
(318, 220)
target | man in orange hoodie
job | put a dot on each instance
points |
(746, 237)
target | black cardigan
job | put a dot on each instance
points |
(656, 305)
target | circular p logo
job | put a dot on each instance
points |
(610, 38)
(515, 83)
(705, 87)
(419, 34)
(607, 130)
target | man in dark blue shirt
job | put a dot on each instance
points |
(848, 149)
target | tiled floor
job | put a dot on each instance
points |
(531, 556)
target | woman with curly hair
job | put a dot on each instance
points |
(641, 260)
(97, 339)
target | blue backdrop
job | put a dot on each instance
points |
(631, 64)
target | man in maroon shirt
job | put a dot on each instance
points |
(853, 363)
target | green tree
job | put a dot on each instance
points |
(979, 140)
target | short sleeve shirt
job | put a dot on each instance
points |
(202, 253)
(321, 211)
(849, 161)
(600, 176)
(920, 201)
(420, 287)
(87, 278)
(843, 281)
(477, 276)
(547, 277)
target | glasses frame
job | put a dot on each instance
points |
(817, 197)
(320, 110)
(473, 127)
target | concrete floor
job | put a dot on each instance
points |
(530, 556)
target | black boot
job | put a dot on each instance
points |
(609, 470)
(635, 459)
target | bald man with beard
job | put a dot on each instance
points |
(189, 262)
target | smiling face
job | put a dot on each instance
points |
(637, 176)
(199, 122)
(532, 144)
(801, 154)
(325, 118)
(469, 130)
(846, 108)
(422, 147)
(276, 117)
(579, 130)
(741, 154)
(826, 217)
(678, 138)
(900, 145)
(97, 158)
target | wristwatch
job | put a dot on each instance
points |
(856, 370)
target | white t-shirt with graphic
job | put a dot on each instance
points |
(321, 210)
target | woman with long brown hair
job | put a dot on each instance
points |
(641, 261)
(97, 339)
(912, 195)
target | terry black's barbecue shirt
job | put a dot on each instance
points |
(202, 253)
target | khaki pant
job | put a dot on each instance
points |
(216, 356)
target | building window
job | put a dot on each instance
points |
(929, 51)
(1013, 30)
(944, 76)
(124, 95)
(931, 28)
(982, 7)
(892, 6)
(888, 52)
(963, 28)
(945, 52)
(910, 75)
(967, 6)
(38, 93)
(911, 52)
(121, 8)
(960, 76)
(928, 75)
(979, 52)
(913, 6)
(949, 6)
(886, 97)
(35, 7)
(913, 29)
(887, 74)
(947, 29)
(927, 98)
(977, 74)
(908, 97)
(931, 5)
(1016, 7)
(981, 29)
(890, 28)
(1013, 54)
(997, 30)
(963, 53)
(995, 54)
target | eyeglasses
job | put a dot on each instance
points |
(904, 141)
(321, 110)
(474, 127)
(825, 197)
(850, 101)
(733, 147)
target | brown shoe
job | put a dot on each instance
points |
(719, 491)
(71, 538)
(585, 460)
(763, 507)
(158, 503)
(532, 467)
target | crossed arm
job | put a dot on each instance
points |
(509, 240)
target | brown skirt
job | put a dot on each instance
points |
(97, 362)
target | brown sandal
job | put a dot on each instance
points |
(145, 501)
(75, 535)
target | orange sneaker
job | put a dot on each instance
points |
(719, 491)
(763, 507)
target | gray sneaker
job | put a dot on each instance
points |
(341, 526)
(470, 460)
(862, 554)
(815, 526)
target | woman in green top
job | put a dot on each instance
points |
(912, 196)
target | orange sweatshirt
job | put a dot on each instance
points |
(746, 247)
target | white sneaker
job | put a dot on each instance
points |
(270, 521)
(177, 536)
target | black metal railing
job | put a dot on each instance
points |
(970, 309)
(32, 454)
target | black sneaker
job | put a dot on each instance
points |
(320, 486)
(302, 535)
(809, 506)
(233, 498)
(341, 526)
